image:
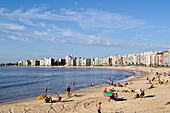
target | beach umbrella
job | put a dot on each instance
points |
(138, 90)
(108, 94)
(41, 97)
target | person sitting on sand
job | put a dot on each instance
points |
(58, 99)
(105, 90)
(126, 83)
(119, 85)
(164, 73)
(48, 99)
(114, 84)
(147, 78)
(153, 78)
(99, 107)
(151, 86)
(111, 83)
(111, 98)
(109, 90)
(115, 96)
(142, 94)
(136, 96)
(150, 82)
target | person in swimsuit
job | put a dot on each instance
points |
(115, 96)
(92, 84)
(126, 83)
(68, 91)
(46, 90)
(99, 107)
(58, 99)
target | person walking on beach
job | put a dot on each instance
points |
(46, 90)
(68, 91)
(99, 107)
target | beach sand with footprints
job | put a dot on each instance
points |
(156, 100)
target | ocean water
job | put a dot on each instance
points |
(18, 83)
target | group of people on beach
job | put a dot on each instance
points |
(58, 98)
(157, 79)
(114, 97)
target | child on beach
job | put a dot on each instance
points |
(99, 107)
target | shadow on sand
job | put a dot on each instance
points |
(121, 99)
(67, 100)
(149, 96)
(75, 95)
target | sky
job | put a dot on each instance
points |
(34, 29)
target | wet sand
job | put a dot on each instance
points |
(85, 101)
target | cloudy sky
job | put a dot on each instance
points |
(84, 28)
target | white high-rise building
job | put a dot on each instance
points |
(68, 60)
(117, 60)
(42, 63)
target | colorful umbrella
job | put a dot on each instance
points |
(108, 94)
(41, 97)
(138, 90)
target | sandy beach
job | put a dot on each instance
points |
(155, 100)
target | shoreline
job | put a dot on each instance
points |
(84, 88)
(90, 96)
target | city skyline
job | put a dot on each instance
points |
(38, 29)
(146, 59)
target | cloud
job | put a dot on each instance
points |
(63, 41)
(11, 26)
(91, 18)
(40, 33)
(42, 24)
(86, 18)
(151, 46)
(17, 38)
(101, 42)
(2, 10)
(67, 32)
(51, 39)
(26, 21)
